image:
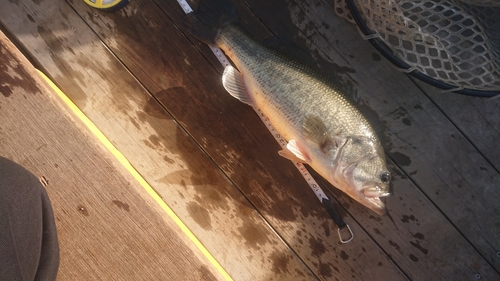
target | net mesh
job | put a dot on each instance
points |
(456, 42)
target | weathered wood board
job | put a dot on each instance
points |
(223, 220)
(444, 215)
(477, 118)
(109, 228)
(168, 51)
(191, 107)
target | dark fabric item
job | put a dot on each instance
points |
(29, 248)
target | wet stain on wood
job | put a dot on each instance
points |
(177, 177)
(419, 236)
(11, 74)
(282, 211)
(377, 231)
(397, 173)
(30, 18)
(396, 246)
(209, 197)
(149, 144)
(326, 227)
(206, 274)
(56, 49)
(317, 246)
(417, 245)
(300, 273)
(406, 121)
(121, 205)
(400, 158)
(280, 262)
(200, 215)
(413, 258)
(344, 255)
(155, 140)
(325, 269)
(168, 159)
(407, 218)
(183, 183)
(255, 236)
(135, 123)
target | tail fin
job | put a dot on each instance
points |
(211, 17)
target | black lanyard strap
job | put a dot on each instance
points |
(337, 218)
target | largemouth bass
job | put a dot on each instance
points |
(322, 126)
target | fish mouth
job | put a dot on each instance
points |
(376, 205)
(372, 200)
(376, 191)
(370, 195)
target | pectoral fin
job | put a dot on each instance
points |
(294, 153)
(233, 82)
(315, 130)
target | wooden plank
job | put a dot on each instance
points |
(109, 228)
(477, 119)
(159, 149)
(403, 238)
(478, 122)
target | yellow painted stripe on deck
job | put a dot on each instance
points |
(107, 143)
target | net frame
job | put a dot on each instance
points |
(454, 45)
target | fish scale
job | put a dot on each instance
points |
(265, 66)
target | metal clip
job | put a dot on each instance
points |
(350, 237)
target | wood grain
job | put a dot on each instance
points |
(214, 118)
(108, 226)
(157, 147)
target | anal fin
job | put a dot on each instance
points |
(233, 82)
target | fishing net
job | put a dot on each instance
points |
(455, 43)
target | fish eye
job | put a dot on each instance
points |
(385, 177)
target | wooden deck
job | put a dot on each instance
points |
(109, 227)
(155, 92)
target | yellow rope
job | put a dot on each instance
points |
(93, 128)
